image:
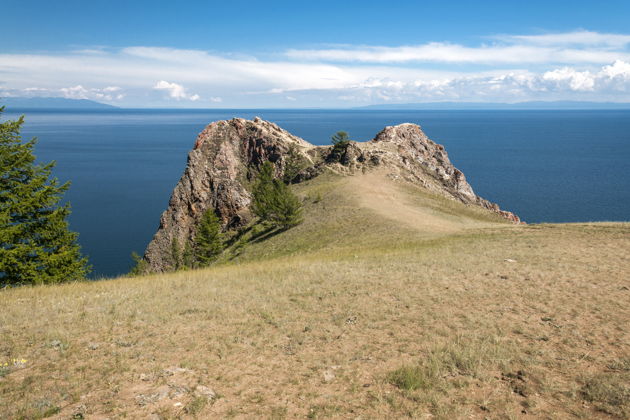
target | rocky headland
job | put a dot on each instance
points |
(227, 154)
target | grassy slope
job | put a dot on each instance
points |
(385, 303)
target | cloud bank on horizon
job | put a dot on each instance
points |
(578, 65)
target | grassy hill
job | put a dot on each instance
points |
(387, 302)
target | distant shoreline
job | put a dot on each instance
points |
(64, 104)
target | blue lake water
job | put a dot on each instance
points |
(546, 166)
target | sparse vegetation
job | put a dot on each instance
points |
(446, 366)
(412, 377)
(195, 406)
(386, 302)
(609, 392)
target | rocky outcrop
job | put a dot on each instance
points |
(406, 149)
(227, 154)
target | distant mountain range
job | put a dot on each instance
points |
(534, 105)
(52, 103)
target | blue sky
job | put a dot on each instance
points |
(315, 54)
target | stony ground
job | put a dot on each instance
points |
(354, 314)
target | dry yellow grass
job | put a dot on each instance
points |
(354, 314)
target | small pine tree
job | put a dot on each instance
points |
(140, 265)
(287, 207)
(209, 241)
(263, 192)
(340, 141)
(273, 201)
(293, 165)
(340, 137)
(36, 245)
(176, 255)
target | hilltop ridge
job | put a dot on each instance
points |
(227, 154)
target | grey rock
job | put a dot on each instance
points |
(146, 399)
(204, 391)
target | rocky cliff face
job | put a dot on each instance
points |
(227, 154)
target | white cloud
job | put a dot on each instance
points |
(576, 80)
(175, 91)
(618, 69)
(437, 52)
(34, 90)
(75, 92)
(108, 94)
(587, 38)
(577, 66)
(579, 47)
(514, 86)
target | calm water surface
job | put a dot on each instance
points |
(546, 166)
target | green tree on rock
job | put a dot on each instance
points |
(340, 141)
(340, 138)
(273, 201)
(209, 241)
(36, 245)
(294, 163)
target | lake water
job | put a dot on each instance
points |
(546, 166)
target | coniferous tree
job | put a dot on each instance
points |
(140, 266)
(176, 255)
(188, 257)
(340, 137)
(287, 207)
(340, 141)
(263, 192)
(208, 239)
(294, 164)
(36, 245)
(273, 201)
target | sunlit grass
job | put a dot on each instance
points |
(352, 314)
